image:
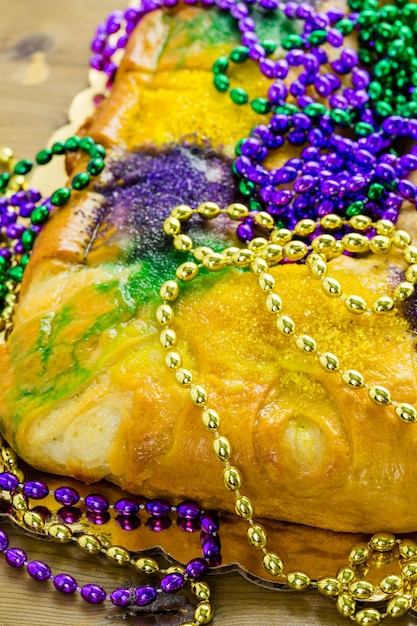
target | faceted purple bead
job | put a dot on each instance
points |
(407, 189)
(122, 597)
(246, 25)
(66, 496)
(8, 481)
(301, 121)
(281, 68)
(249, 38)
(335, 37)
(256, 52)
(65, 583)
(15, 557)
(189, 525)
(277, 92)
(96, 503)
(211, 546)
(98, 518)
(36, 489)
(69, 514)
(26, 209)
(245, 232)
(385, 172)
(15, 230)
(18, 197)
(145, 595)
(210, 522)
(267, 67)
(4, 540)
(171, 583)
(39, 570)
(239, 11)
(158, 524)
(126, 506)
(128, 522)
(196, 568)
(251, 146)
(323, 86)
(295, 58)
(158, 507)
(268, 4)
(93, 593)
(282, 197)
(408, 162)
(297, 88)
(304, 183)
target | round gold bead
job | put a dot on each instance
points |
(331, 287)
(355, 242)
(298, 581)
(89, 543)
(19, 502)
(20, 474)
(184, 377)
(164, 314)
(368, 617)
(6, 156)
(221, 447)
(401, 239)
(346, 575)
(408, 549)
(264, 219)
(382, 542)
(182, 212)
(200, 590)
(361, 589)
(214, 262)
(272, 253)
(385, 227)
(384, 304)
(198, 395)
(17, 183)
(175, 569)
(34, 521)
(305, 227)
(406, 412)
(201, 252)
(345, 604)
(409, 570)
(237, 211)
(273, 303)
(403, 291)
(203, 613)
(397, 607)
(318, 266)
(171, 226)
(360, 222)
(168, 338)
(8, 456)
(259, 266)
(391, 584)
(147, 565)
(305, 343)
(118, 555)
(187, 271)
(281, 236)
(328, 586)
(331, 222)
(380, 395)
(295, 250)
(273, 564)
(231, 478)
(411, 273)
(410, 254)
(183, 243)
(59, 532)
(285, 325)
(266, 282)
(229, 254)
(352, 378)
(211, 420)
(173, 360)
(380, 244)
(256, 536)
(359, 554)
(244, 507)
(355, 304)
(243, 258)
(257, 244)
(323, 243)
(169, 290)
(209, 210)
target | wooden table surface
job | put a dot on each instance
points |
(44, 50)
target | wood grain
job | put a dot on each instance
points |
(44, 49)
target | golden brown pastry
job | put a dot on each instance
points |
(85, 390)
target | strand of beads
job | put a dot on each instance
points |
(125, 597)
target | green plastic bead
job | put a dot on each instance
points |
(315, 109)
(234, 169)
(363, 129)
(380, 47)
(254, 205)
(317, 37)
(4, 180)
(23, 167)
(287, 109)
(3, 291)
(367, 18)
(375, 191)
(44, 156)
(246, 187)
(383, 68)
(86, 143)
(97, 152)
(3, 264)
(345, 26)
(72, 143)
(292, 41)
(396, 49)
(239, 96)
(260, 105)
(386, 30)
(220, 66)
(58, 148)
(238, 147)
(374, 90)
(383, 109)
(365, 56)
(60, 196)
(409, 12)
(39, 215)
(16, 273)
(239, 55)
(340, 117)
(80, 181)
(24, 260)
(28, 239)
(95, 166)
(389, 13)
(356, 208)
(221, 82)
(269, 46)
